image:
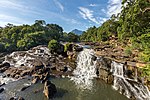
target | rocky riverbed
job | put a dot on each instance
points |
(39, 65)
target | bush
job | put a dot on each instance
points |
(146, 71)
(145, 55)
(68, 47)
(54, 46)
(25, 44)
(10, 47)
(128, 51)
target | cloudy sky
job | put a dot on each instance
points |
(69, 14)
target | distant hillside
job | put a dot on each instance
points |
(76, 31)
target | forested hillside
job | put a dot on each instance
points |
(131, 26)
(25, 37)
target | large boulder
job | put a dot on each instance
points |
(77, 48)
(49, 89)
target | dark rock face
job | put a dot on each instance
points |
(104, 67)
(94, 58)
(4, 66)
(1, 90)
(16, 98)
(2, 84)
(24, 88)
(49, 89)
(35, 80)
(77, 48)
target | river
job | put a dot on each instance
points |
(66, 90)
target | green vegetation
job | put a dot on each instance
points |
(70, 37)
(146, 72)
(131, 26)
(2, 47)
(68, 47)
(128, 51)
(25, 37)
(54, 45)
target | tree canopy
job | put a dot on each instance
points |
(26, 36)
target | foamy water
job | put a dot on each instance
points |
(134, 88)
(85, 70)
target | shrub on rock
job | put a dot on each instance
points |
(55, 46)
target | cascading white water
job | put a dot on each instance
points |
(85, 70)
(127, 86)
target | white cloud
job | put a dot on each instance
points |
(103, 10)
(93, 5)
(4, 19)
(102, 20)
(59, 5)
(23, 9)
(114, 7)
(88, 14)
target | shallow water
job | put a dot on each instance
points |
(66, 90)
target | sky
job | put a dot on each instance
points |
(69, 14)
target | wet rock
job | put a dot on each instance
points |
(2, 84)
(46, 76)
(24, 88)
(77, 48)
(49, 89)
(104, 63)
(103, 74)
(70, 54)
(5, 64)
(25, 72)
(53, 68)
(128, 73)
(110, 79)
(52, 60)
(16, 98)
(3, 69)
(65, 69)
(94, 58)
(35, 80)
(35, 68)
(1, 90)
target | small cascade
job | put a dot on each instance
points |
(29, 58)
(127, 86)
(85, 70)
(5, 80)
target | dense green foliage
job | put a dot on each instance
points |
(146, 72)
(102, 33)
(68, 47)
(53, 45)
(27, 36)
(2, 47)
(70, 37)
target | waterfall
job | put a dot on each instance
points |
(85, 70)
(127, 86)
